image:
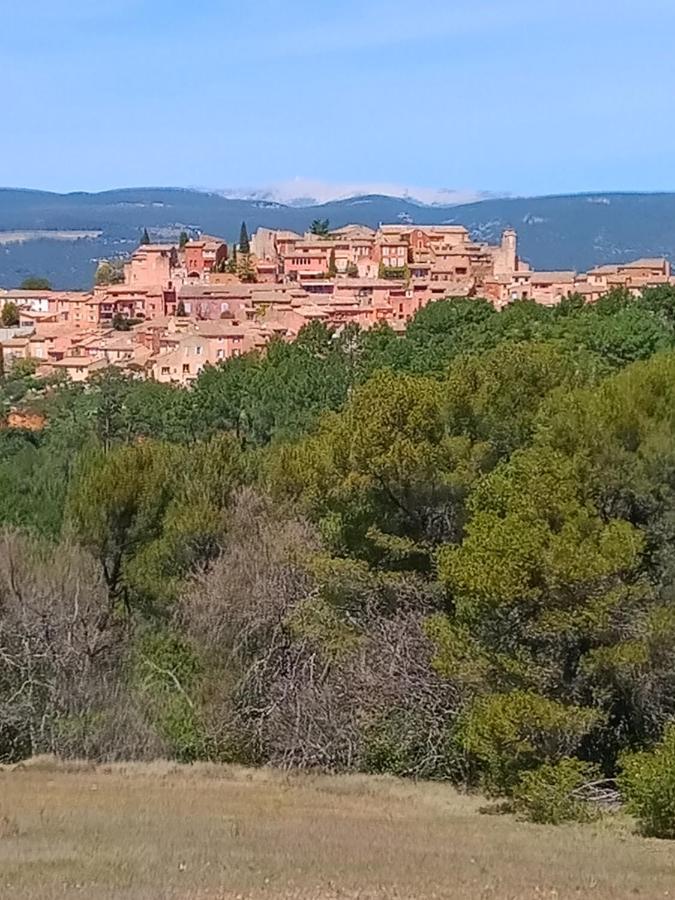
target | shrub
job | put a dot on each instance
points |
(647, 782)
(549, 794)
(410, 742)
(167, 676)
(509, 734)
(9, 315)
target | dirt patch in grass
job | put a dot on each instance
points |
(149, 832)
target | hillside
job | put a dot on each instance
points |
(576, 231)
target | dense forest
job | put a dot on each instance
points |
(448, 554)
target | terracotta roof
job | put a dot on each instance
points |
(645, 264)
(81, 362)
(347, 283)
(27, 295)
(214, 291)
(603, 270)
(287, 236)
(220, 328)
(539, 277)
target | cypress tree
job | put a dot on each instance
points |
(244, 243)
(145, 237)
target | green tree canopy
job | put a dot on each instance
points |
(320, 227)
(9, 315)
(36, 283)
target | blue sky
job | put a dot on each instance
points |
(513, 96)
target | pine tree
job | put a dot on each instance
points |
(244, 243)
(320, 227)
(145, 237)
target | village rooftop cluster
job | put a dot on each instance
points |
(179, 307)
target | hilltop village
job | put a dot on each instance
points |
(171, 309)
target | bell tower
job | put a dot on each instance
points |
(506, 261)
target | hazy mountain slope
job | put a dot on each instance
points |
(576, 231)
(579, 231)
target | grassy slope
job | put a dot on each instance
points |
(208, 833)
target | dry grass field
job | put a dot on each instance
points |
(217, 833)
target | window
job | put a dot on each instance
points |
(186, 368)
(221, 354)
(165, 370)
(198, 350)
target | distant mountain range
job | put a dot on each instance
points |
(562, 232)
(312, 192)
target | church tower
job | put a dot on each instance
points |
(506, 258)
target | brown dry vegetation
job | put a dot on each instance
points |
(204, 833)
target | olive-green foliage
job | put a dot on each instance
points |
(620, 438)
(619, 328)
(533, 539)
(35, 283)
(496, 396)
(552, 794)
(459, 655)
(152, 511)
(109, 271)
(280, 396)
(9, 315)
(494, 496)
(395, 743)
(316, 621)
(647, 781)
(167, 673)
(509, 734)
(389, 475)
(376, 472)
(17, 381)
(283, 394)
